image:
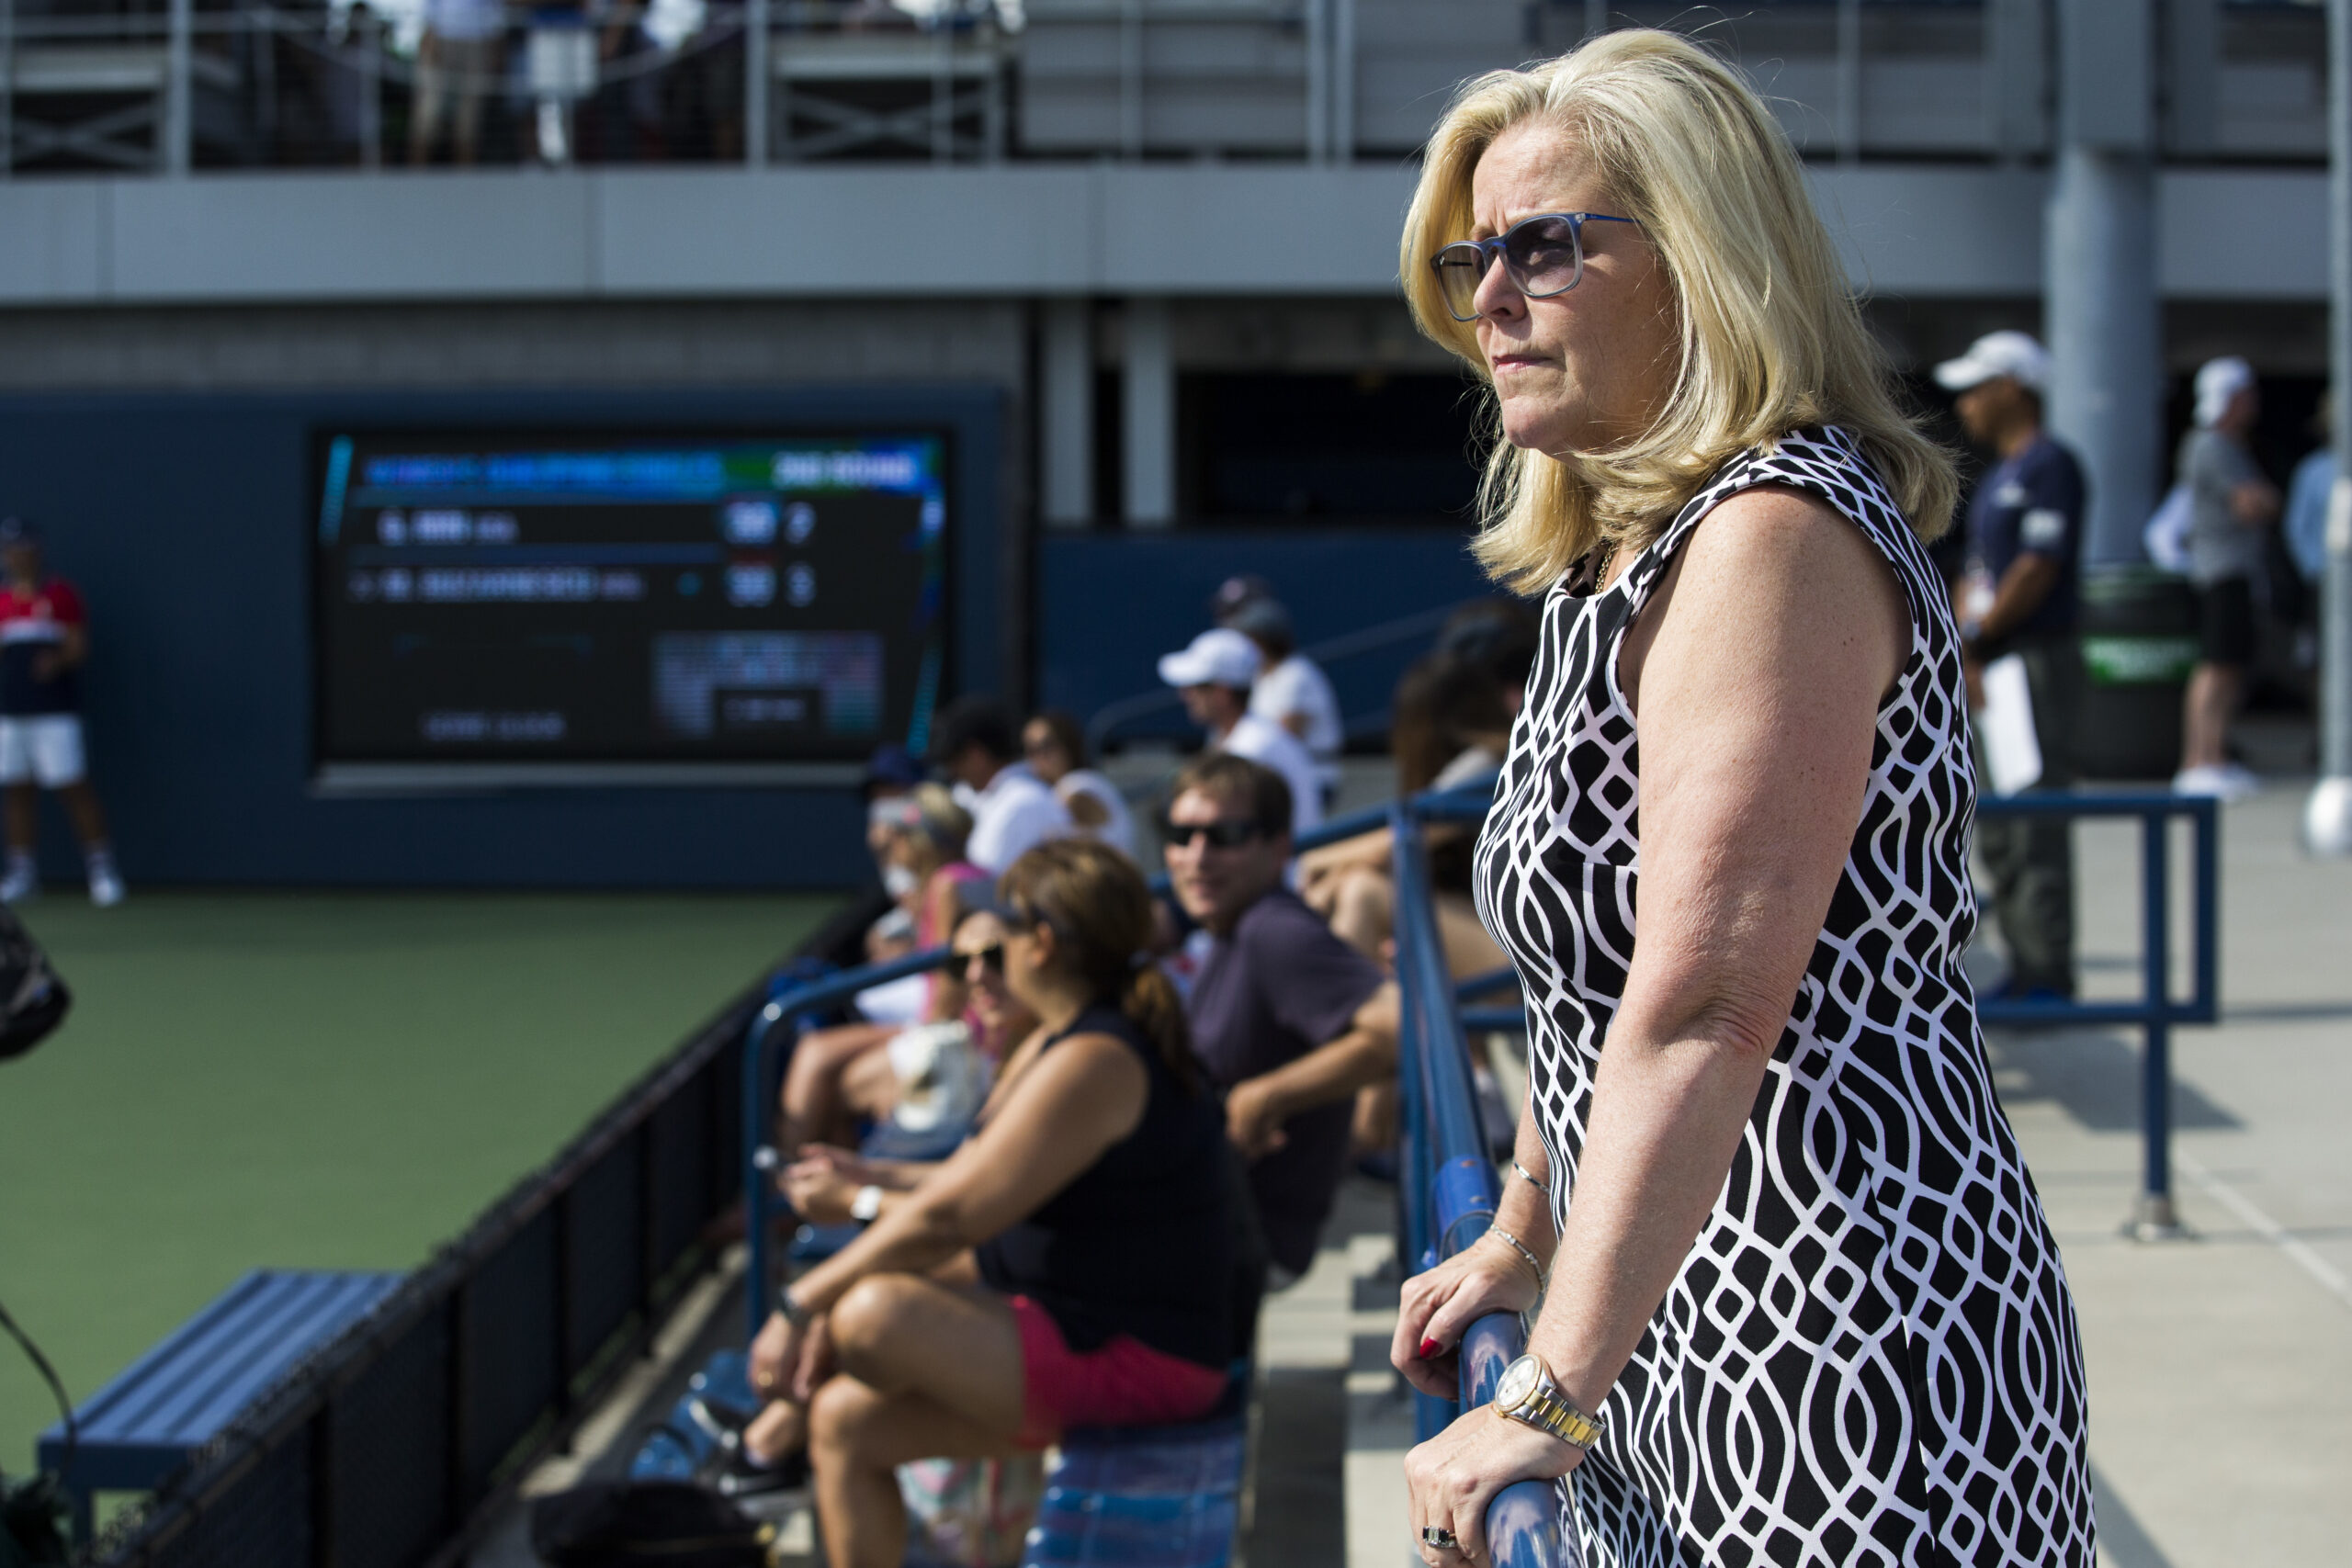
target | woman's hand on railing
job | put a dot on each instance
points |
(1438, 1307)
(1452, 1478)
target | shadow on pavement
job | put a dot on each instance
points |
(2093, 1076)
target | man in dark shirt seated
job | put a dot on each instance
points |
(1288, 1019)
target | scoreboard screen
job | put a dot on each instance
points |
(608, 605)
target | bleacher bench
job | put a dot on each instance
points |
(1115, 1497)
(170, 1402)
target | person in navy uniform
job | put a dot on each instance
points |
(2019, 593)
(44, 641)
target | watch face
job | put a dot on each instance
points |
(1516, 1384)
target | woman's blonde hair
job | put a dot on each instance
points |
(1771, 337)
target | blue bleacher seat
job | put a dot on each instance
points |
(1146, 1496)
(152, 1415)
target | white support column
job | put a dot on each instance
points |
(2104, 327)
(1067, 403)
(1149, 388)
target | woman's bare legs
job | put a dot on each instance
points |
(927, 1371)
(814, 1111)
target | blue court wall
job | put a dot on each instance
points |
(1110, 604)
(185, 518)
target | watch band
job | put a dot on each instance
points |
(1547, 1412)
(792, 1311)
(866, 1204)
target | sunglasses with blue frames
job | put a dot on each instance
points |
(1542, 255)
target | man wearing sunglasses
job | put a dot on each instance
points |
(1288, 1019)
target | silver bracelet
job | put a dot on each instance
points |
(1534, 1264)
(1520, 1171)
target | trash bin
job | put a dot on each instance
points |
(2139, 645)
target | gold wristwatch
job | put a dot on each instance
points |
(1526, 1393)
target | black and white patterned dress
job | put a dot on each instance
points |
(1871, 1355)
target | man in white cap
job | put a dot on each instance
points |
(1215, 673)
(2018, 595)
(2230, 503)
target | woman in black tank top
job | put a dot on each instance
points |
(1074, 1262)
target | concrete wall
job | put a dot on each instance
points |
(899, 232)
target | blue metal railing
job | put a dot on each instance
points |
(1448, 1171)
(2154, 1011)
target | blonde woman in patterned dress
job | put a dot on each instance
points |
(1802, 1304)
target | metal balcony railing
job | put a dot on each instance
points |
(171, 86)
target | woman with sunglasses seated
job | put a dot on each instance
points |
(830, 1185)
(1075, 1263)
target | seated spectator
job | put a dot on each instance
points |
(1289, 1020)
(1056, 748)
(973, 741)
(830, 1185)
(1215, 673)
(1075, 1263)
(836, 1076)
(1452, 726)
(1292, 690)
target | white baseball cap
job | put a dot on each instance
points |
(2014, 355)
(2218, 381)
(1219, 657)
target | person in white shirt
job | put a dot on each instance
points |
(1055, 746)
(1292, 690)
(974, 741)
(1215, 673)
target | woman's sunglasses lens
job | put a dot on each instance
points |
(1459, 267)
(992, 958)
(1543, 255)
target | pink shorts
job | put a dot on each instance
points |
(1124, 1383)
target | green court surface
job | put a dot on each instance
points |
(323, 1080)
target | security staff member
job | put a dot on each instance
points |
(2021, 595)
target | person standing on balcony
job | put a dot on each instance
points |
(1215, 673)
(2020, 596)
(457, 64)
(44, 642)
(1804, 1303)
(2231, 503)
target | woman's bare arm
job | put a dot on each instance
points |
(1073, 1103)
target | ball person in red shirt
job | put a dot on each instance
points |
(44, 640)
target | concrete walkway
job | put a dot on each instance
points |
(2221, 1366)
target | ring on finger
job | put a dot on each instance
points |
(1440, 1538)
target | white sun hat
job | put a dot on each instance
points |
(1219, 657)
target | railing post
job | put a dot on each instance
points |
(756, 83)
(7, 87)
(755, 1187)
(1343, 81)
(2155, 1218)
(1850, 80)
(178, 71)
(1318, 81)
(1131, 79)
(364, 52)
